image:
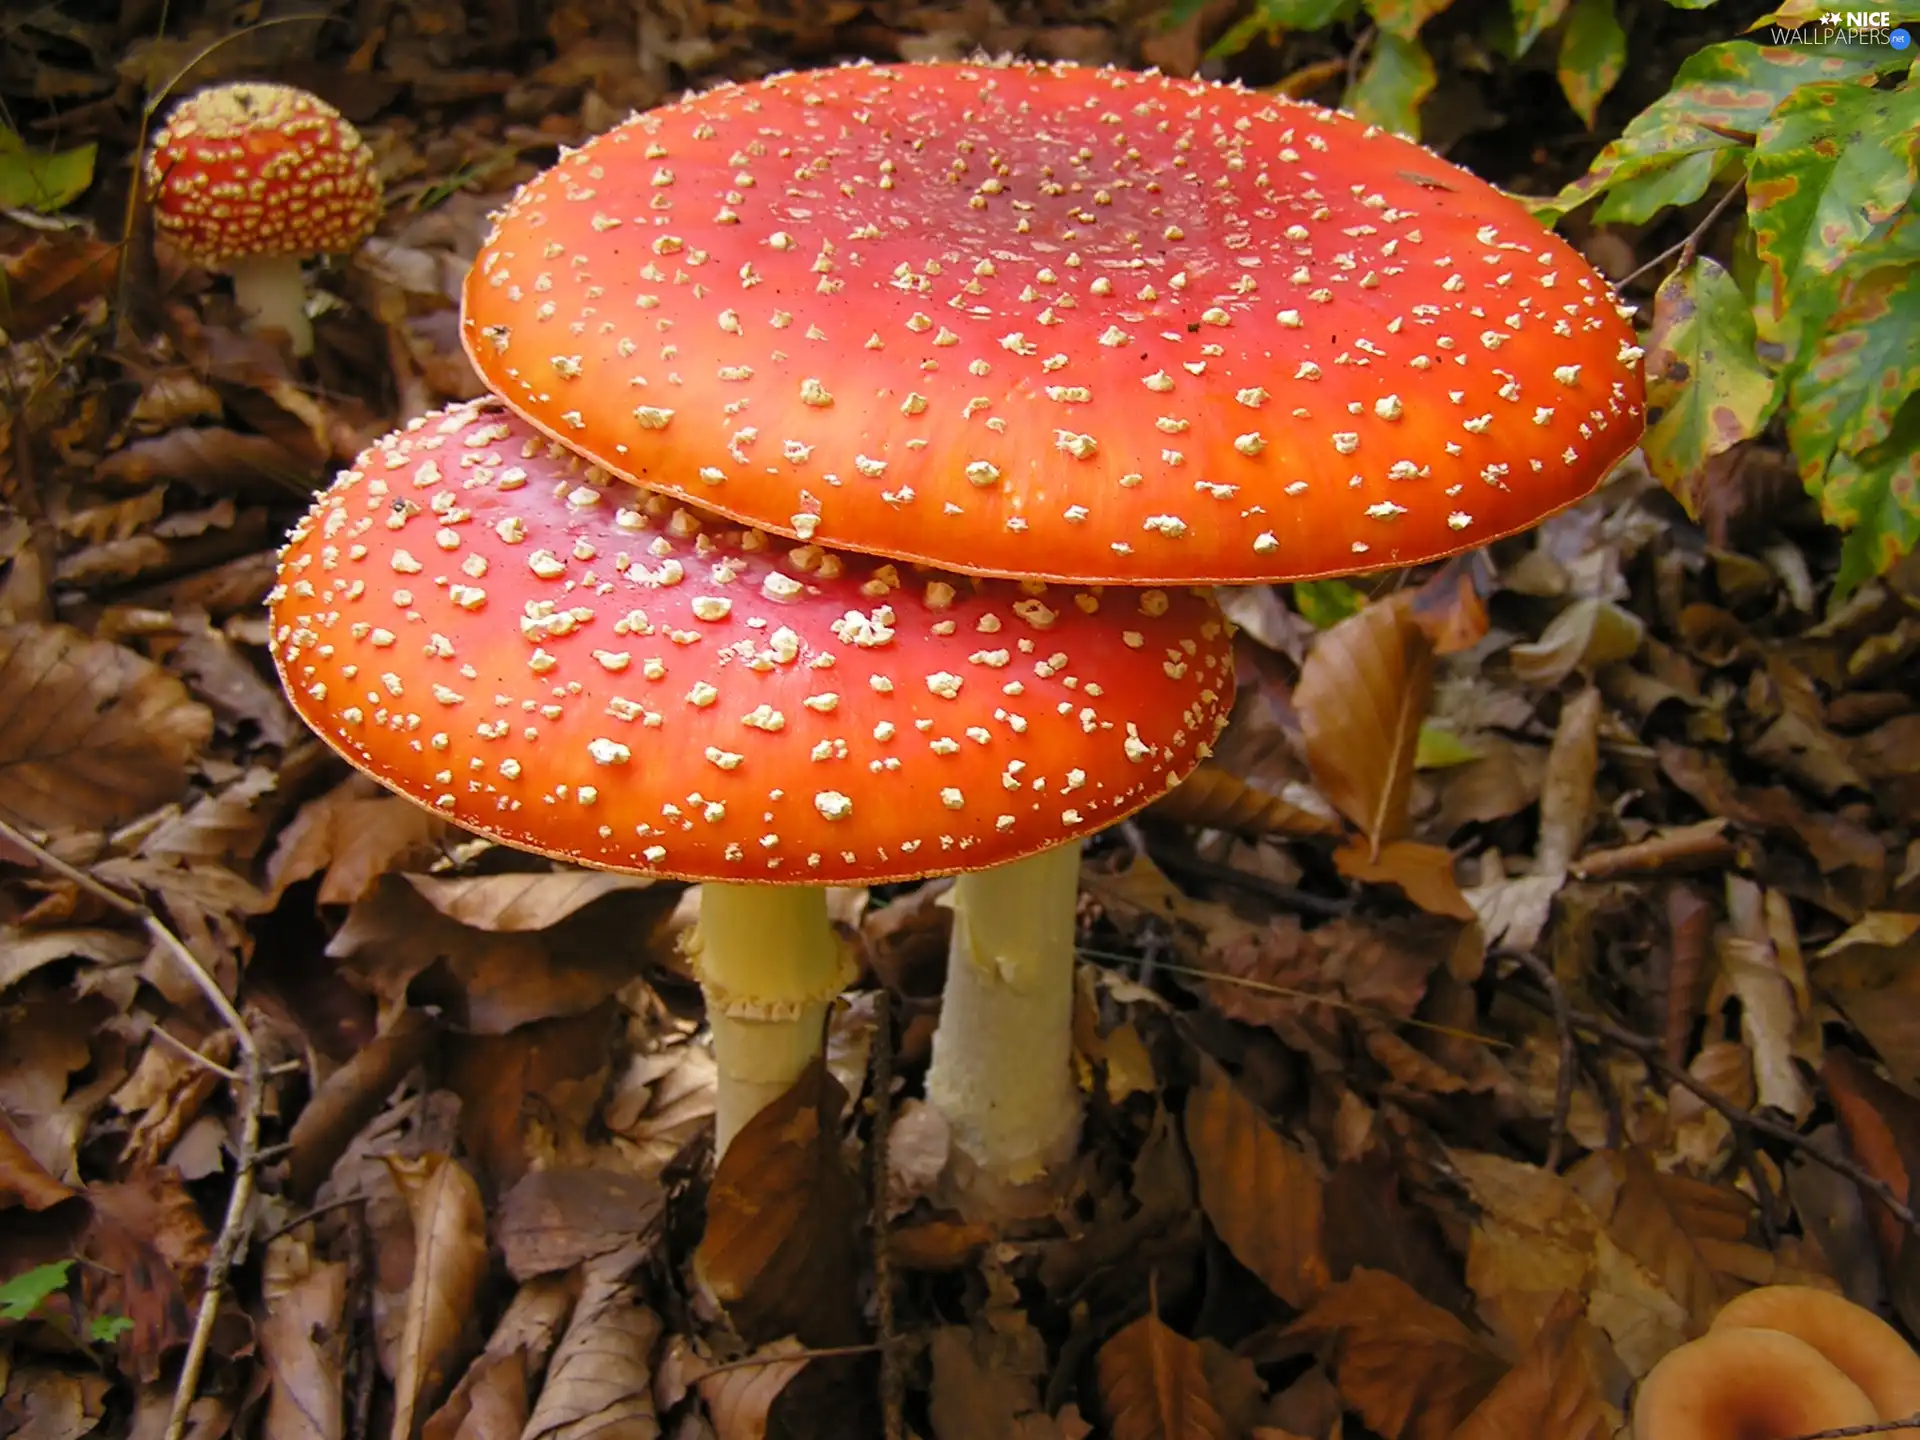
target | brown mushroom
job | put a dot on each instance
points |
(1854, 1340)
(1742, 1384)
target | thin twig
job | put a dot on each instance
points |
(1685, 248)
(1563, 1026)
(161, 1032)
(250, 1097)
(314, 1214)
(892, 1381)
(830, 1352)
(1649, 1050)
(1302, 901)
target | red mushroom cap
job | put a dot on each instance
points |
(474, 618)
(243, 170)
(1052, 321)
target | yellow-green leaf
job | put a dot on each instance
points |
(1399, 75)
(42, 180)
(1593, 54)
(1706, 388)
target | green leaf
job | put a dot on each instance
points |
(1641, 196)
(1399, 75)
(1440, 747)
(1706, 389)
(106, 1329)
(1532, 19)
(1401, 20)
(1325, 603)
(1833, 163)
(1720, 99)
(1882, 491)
(1593, 55)
(1854, 420)
(42, 180)
(27, 1292)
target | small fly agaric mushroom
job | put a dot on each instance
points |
(481, 621)
(1778, 1362)
(1049, 321)
(251, 179)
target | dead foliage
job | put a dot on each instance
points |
(1536, 967)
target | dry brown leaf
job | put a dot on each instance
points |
(555, 1219)
(1750, 968)
(520, 902)
(489, 981)
(1566, 794)
(1450, 606)
(91, 734)
(42, 1403)
(57, 274)
(221, 674)
(1217, 799)
(601, 1380)
(1553, 1393)
(516, 1355)
(739, 1401)
(1882, 1125)
(1410, 1369)
(148, 1246)
(24, 951)
(1424, 872)
(211, 458)
(351, 1096)
(226, 828)
(781, 1215)
(972, 1397)
(493, 1401)
(1535, 1239)
(1589, 632)
(1690, 1235)
(303, 1338)
(1153, 1385)
(165, 1094)
(354, 834)
(1297, 981)
(1260, 1190)
(24, 1181)
(527, 1097)
(449, 1262)
(1362, 695)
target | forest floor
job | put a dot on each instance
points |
(1455, 1157)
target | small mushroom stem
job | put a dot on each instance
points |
(272, 290)
(1002, 1054)
(769, 964)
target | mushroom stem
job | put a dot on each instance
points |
(769, 964)
(1002, 1053)
(272, 290)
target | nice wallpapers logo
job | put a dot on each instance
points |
(1848, 27)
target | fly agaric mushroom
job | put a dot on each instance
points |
(251, 179)
(481, 621)
(1048, 321)
(1738, 1384)
(1854, 1340)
